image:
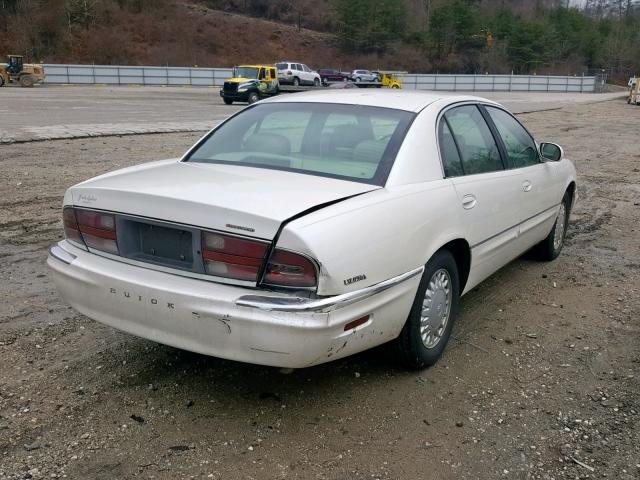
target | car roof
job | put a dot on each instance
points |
(411, 101)
(261, 65)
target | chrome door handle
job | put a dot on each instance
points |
(469, 201)
(526, 186)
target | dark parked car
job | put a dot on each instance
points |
(328, 75)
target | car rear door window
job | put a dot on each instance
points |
(521, 148)
(451, 161)
(281, 66)
(473, 138)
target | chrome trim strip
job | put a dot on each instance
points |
(513, 226)
(59, 253)
(299, 304)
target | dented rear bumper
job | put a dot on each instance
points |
(229, 321)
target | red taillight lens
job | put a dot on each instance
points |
(232, 257)
(288, 269)
(71, 230)
(93, 229)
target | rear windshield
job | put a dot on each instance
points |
(349, 142)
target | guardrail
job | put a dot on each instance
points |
(121, 75)
(502, 83)
(215, 77)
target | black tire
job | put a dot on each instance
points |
(253, 97)
(410, 349)
(316, 82)
(27, 81)
(1, 80)
(358, 79)
(296, 82)
(548, 249)
(228, 101)
(629, 101)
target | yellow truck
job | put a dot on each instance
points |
(634, 91)
(16, 71)
(390, 79)
(250, 83)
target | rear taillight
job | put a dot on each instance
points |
(92, 229)
(232, 257)
(288, 269)
(71, 230)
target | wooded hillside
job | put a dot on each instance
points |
(462, 36)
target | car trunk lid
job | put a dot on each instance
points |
(237, 199)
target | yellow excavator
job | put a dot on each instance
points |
(17, 72)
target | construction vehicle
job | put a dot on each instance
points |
(18, 72)
(390, 78)
(634, 91)
(250, 83)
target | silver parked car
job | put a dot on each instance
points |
(364, 76)
(297, 74)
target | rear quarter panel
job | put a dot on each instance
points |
(376, 236)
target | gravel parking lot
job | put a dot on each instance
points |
(541, 378)
(56, 111)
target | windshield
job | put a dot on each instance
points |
(245, 72)
(350, 142)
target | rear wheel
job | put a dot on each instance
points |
(1, 80)
(550, 247)
(253, 97)
(358, 79)
(228, 101)
(296, 81)
(27, 81)
(428, 328)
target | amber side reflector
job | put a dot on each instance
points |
(356, 323)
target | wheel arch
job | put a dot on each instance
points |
(461, 252)
(571, 190)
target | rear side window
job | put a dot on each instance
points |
(476, 146)
(451, 161)
(281, 66)
(521, 148)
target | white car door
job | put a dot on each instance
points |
(541, 187)
(488, 193)
(308, 74)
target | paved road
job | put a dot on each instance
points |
(51, 112)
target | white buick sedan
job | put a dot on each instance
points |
(313, 226)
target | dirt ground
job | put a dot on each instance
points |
(541, 379)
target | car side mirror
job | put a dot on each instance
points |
(551, 152)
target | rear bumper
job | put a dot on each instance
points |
(228, 321)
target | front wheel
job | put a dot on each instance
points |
(316, 82)
(228, 101)
(428, 328)
(1, 80)
(253, 97)
(358, 79)
(550, 247)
